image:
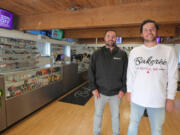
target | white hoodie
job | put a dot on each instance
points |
(152, 75)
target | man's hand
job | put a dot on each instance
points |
(96, 93)
(121, 94)
(169, 105)
(128, 96)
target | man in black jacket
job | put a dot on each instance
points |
(107, 80)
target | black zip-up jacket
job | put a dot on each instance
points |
(107, 71)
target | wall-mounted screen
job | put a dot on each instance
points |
(6, 19)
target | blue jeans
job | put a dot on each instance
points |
(114, 103)
(156, 118)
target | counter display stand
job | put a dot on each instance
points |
(26, 91)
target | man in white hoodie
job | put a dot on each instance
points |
(151, 80)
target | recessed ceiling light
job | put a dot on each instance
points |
(74, 9)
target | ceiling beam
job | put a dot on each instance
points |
(133, 31)
(163, 11)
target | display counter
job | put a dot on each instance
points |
(21, 82)
(72, 76)
(26, 90)
(25, 87)
(83, 71)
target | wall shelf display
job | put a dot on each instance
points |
(21, 82)
(17, 53)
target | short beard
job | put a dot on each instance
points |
(149, 41)
(114, 44)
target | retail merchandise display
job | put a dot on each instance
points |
(57, 52)
(16, 53)
(17, 83)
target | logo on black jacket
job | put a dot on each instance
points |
(116, 58)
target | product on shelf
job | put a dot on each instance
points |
(16, 53)
(18, 83)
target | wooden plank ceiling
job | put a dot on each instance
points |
(90, 18)
(33, 7)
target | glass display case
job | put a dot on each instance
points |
(20, 82)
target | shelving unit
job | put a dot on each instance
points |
(16, 53)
